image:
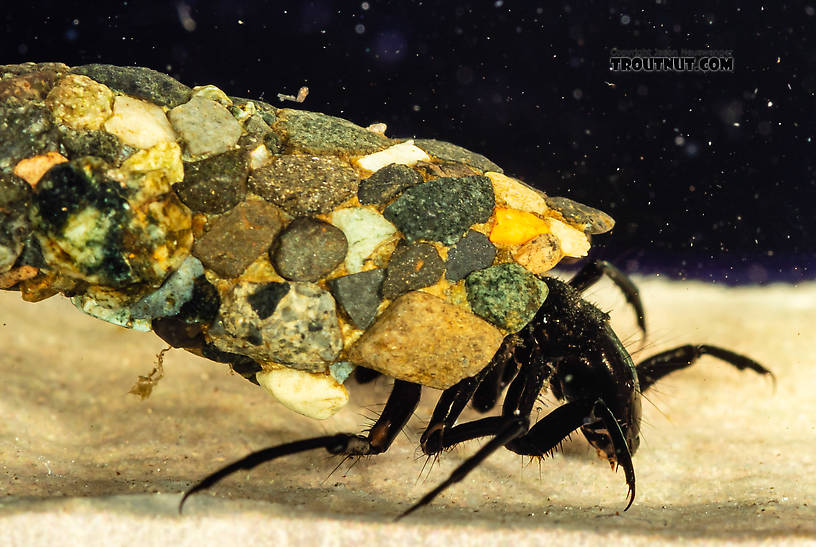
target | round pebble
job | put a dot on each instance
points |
(308, 249)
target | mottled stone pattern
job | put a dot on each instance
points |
(305, 185)
(291, 245)
(507, 295)
(302, 331)
(25, 130)
(442, 209)
(27, 87)
(216, 184)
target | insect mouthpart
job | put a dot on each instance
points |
(600, 438)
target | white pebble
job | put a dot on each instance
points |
(317, 396)
(404, 153)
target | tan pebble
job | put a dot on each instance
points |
(378, 128)
(539, 255)
(574, 242)
(314, 395)
(80, 103)
(212, 92)
(423, 339)
(404, 153)
(139, 123)
(514, 194)
(12, 277)
(32, 169)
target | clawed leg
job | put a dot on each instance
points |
(656, 367)
(401, 404)
(512, 432)
(592, 272)
(504, 429)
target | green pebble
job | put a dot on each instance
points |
(507, 295)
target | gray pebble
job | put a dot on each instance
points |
(442, 209)
(316, 133)
(593, 220)
(359, 295)
(205, 126)
(472, 252)
(387, 183)
(143, 83)
(412, 267)
(308, 249)
(451, 152)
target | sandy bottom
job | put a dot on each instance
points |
(723, 457)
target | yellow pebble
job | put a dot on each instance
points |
(512, 227)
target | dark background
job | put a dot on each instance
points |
(709, 176)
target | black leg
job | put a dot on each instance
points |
(364, 375)
(401, 404)
(592, 272)
(545, 435)
(509, 429)
(447, 410)
(656, 367)
(525, 389)
(512, 433)
(503, 369)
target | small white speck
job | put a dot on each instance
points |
(770, 104)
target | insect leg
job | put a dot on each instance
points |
(545, 435)
(656, 367)
(449, 407)
(504, 369)
(525, 389)
(399, 408)
(365, 375)
(509, 429)
(592, 272)
(512, 432)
